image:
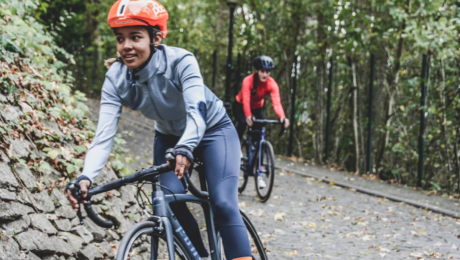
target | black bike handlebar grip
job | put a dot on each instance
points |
(198, 193)
(106, 187)
(282, 130)
(95, 218)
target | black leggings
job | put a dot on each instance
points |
(241, 118)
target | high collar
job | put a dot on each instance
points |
(157, 64)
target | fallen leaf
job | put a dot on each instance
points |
(261, 212)
(308, 224)
(66, 153)
(418, 255)
(293, 253)
(433, 255)
(280, 216)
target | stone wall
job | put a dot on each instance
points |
(39, 223)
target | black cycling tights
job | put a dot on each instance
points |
(219, 149)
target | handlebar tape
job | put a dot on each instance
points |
(95, 218)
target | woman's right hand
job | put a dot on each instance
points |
(84, 185)
(249, 121)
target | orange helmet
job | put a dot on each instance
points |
(138, 13)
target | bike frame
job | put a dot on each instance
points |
(161, 208)
(258, 149)
(168, 225)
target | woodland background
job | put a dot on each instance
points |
(397, 32)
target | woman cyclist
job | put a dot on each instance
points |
(250, 100)
(165, 84)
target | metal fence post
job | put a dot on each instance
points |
(229, 61)
(293, 97)
(370, 110)
(421, 138)
(237, 77)
(328, 117)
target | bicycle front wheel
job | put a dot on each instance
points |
(244, 167)
(142, 242)
(265, 171)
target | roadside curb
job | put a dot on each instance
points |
(378, 194)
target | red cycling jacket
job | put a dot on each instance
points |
(257, 101)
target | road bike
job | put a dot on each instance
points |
(161, 236)
(258, 159)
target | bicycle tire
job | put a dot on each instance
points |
(268, 161)
(257, 248)
(244, 167)
(126, 251)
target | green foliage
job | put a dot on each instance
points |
(34, 76)
(398, 32)
(119, 158)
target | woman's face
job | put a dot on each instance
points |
(133, 44)
(263, 75)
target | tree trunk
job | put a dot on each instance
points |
(393, 80)
(354, 114)
(320, 113)
(442, 95)
(456, 158)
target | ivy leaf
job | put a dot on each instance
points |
(117, 164)
(70, 168)
(44, 167)
(80, 149)
(21, 160)
(53, 153)
(55, 112)
(77, 162)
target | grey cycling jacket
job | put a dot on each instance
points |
(169, 90)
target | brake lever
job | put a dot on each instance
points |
(80, 217)
(282, 130)
(75, 189)
(171, 158)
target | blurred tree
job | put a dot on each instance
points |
(398, 32)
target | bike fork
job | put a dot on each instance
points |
(154, 247)
(169, 237)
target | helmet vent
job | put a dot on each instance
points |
(122, 7)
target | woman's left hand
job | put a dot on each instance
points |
(182, 165)
(285, 122)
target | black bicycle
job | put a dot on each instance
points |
(161, 236)
(258, 160)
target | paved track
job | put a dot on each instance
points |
(307, 219)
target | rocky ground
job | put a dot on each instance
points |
(308, 219)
